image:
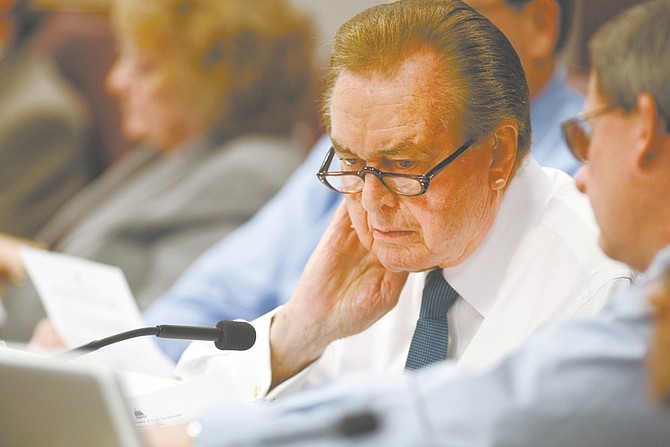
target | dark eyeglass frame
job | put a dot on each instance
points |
(580, 123)
(423, 180)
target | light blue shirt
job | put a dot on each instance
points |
(256, 267)
(582, 383)
(554, 104)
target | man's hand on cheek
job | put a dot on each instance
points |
(343, 290)
(345, 285)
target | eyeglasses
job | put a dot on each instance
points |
(350, 182)
(577, 131)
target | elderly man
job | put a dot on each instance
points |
(257, 268)
(427, 108)
(583, 383)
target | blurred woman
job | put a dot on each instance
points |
(213, 90)
(44, 127)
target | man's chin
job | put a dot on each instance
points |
(618, 253)
(398, 260)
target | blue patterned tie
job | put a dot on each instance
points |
(429, 343)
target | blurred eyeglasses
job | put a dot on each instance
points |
(577, 131)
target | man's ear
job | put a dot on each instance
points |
(545, 18)
(651, 131)
(504, 155)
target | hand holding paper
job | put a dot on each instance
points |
(86, 301)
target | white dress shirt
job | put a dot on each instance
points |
(581, 383)
(539, 264)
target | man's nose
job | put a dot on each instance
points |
(375, 195)
(114, 79)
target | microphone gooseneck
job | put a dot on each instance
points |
(226, 335)
(189, 332)
(134, 333)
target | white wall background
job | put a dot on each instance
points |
(329, 15)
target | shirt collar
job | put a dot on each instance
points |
(479, 277)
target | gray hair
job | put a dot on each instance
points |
(631, 55)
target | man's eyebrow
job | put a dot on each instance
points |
(394, 150)
(340, 150)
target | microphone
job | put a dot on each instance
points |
(350, 426)
(357, 424)
(226, 335)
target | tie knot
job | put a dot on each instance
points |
(438, 296)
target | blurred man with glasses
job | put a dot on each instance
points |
(427, 108)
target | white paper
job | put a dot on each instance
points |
(87, 301)
(182, 402)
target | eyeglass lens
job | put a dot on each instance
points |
(349, 183)
(578, 136)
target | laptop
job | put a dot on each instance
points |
(52, 402)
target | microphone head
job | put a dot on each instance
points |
(237, 335)
(358, 424)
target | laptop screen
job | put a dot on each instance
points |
(50, 402)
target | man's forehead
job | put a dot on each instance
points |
(401, 134)
(375, 114)
(417, 70)
(389, 149)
